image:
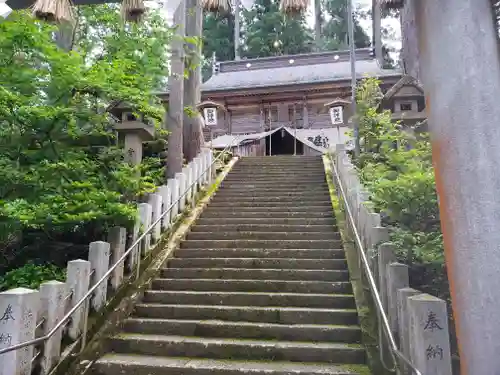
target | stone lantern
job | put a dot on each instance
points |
(210, 116)
(338, 111)
(133, 130)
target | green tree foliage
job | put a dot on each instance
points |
(396, 167)
(218, 39)
(62, 169)
(335, 29)
(102, 36)
(218, 36)
(31, 276)
(268, 32)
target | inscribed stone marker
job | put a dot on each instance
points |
(117, 240)
(173, 186)
(53, 301)
(430, 342)
(164, 191)
(78, 281)
(145, 215)
(99, 260)
(155, 200)
(18, 318)
(397, 278)
(181, 179)
(404, 325)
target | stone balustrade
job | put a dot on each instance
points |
(26, 314)
(419, 322)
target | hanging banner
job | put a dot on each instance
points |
(210, 115)
(337, 115)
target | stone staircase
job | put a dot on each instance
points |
(259, 286)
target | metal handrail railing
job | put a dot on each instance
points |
(371, 280)
(105, 277)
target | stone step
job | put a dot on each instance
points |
(233, 227)
(307, 169)
(247, 172)
(264, 208)
(271, 189)
(288, 236)
(282, 196)
(262, 244)
(304, 170)
(295, 203)
(280, 162)
(230, 196)
(268, 214)
(268, 221)
(323, 254)
(114, 364)
(330, 301)
(252, 263)
(310, 170)
(263, 181)
(278, 315)
(254, 274)
(219, 348)
(244, 330)
(276, 286)
(261, 160)
(253, 184)
(266, 179)
(284, 173)
(264, 158)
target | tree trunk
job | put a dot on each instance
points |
(236, 29)
(193, 130)
(175, 108)
(317, 24)
(65, 36)
(377, 32)
(410, 53)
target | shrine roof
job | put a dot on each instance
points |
(311, 68)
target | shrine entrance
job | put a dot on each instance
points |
(281, 142)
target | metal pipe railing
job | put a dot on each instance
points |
(368, 272)
(105, 277)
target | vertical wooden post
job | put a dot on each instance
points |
(459, 39)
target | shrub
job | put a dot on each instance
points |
(397, 170)
(31, 276)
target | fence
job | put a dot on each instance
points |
(416, 321)
(33, 323)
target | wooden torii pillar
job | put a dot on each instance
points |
(460, 71)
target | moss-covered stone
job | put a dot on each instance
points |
(364, 303)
